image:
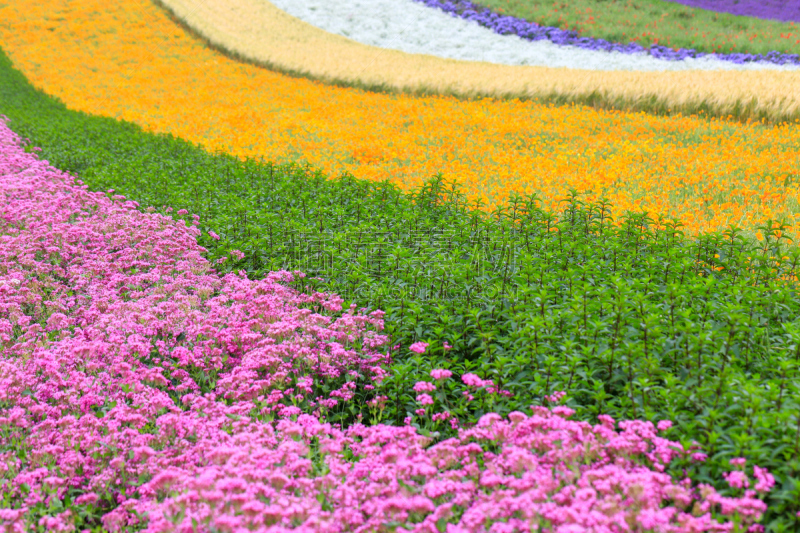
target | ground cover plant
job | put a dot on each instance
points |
(142, 391)
(707, 173)
(633, 321)
(672, 24)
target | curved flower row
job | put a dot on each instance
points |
(507, 24)
(140, 390)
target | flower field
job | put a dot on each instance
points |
(709, 174)
(318, 308)
(141, 394)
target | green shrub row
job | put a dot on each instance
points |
(631, 319)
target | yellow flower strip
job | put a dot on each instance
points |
(260, 32)
(126, 59)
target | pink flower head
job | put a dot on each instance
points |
(664, 425)
(738, 462)
(418, 347)
(425, 399)
(237, 254)
(764, 480)
(183, 212)
(472, 380)
(699, 457)
(446, 346)
(607, 421)
(440, 373)
(424, 386)
(556, 396)
(213, 235)
(736, 479)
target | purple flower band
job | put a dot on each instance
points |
(506, 24)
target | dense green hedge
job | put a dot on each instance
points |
(634, 320)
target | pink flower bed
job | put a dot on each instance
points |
(140, 390)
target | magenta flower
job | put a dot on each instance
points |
(418, 347)
(425, 399)
(764, 480)
(556, 397)
(440, 373)
(474, 381)
(424, 386)
(213, 235)
(736, 479)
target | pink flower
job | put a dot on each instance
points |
(738, 461)
(764, 480)
(446, 346)
(183, 212)
(213, 235)
(237, 254)
(425, 399)
(736, 479)
(424, 386)
(699, 457)
(556, 396)
(664, 425)
(418, 347)
(474, 381)
(440, 373)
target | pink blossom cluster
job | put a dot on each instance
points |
(141, 390)
(513, 474)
